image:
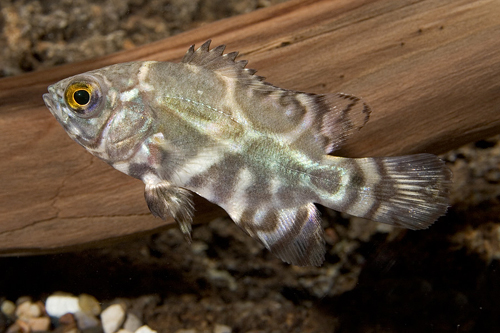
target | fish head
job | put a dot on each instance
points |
(81, 105)
(98, 110)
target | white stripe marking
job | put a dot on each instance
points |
(129, 95)
(197, 165)
(239, 204)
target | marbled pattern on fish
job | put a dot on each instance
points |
(211, 126)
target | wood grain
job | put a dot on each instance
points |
(429, 69)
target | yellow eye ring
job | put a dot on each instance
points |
(75, 95)
(83, 97)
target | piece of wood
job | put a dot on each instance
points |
(429, 69)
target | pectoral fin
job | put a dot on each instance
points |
(165, 199)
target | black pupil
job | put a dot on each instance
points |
(82, 97)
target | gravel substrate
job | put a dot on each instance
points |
(376, 278)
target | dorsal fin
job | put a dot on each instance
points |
(332, 118)
(338, 116)
(224, 64)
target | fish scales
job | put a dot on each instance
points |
(209, 125)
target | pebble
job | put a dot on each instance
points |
(132, 323)
(8, 308)
(41, 324)
(23, 299)
(67, 319)
(58, 305)
(89, 304)
(85, 320)
(145, 329)
(113, 317)
(67, 322)
(27, 310)
(222, 329)
(75, 314)
(18, 326)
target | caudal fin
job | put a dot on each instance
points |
(408, 191)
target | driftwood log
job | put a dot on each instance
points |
(429, 69)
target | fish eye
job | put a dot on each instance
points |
(83, 97)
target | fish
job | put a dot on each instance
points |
(209, 125)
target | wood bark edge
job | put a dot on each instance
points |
(430, 72)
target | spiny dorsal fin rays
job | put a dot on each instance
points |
(202, 56)
(336, 116)
(224, 64)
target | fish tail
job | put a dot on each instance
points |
(407, 191)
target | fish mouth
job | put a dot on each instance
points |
(49, 102)
(54, 107)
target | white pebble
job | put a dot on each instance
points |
(222, 329)
(58, 305)
(145, 329)
(112, 318)
(8, 308)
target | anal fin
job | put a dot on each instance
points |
(294, 235)
(165, 199)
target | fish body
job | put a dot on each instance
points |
(211, 126)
